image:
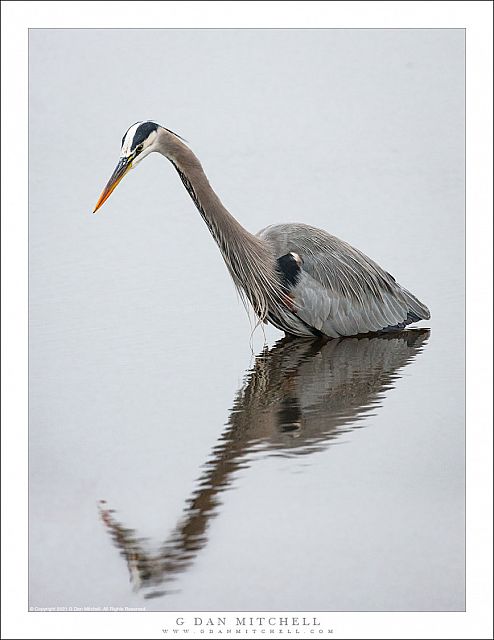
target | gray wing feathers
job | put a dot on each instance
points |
(416, 307)
(341, 291)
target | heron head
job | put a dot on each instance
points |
(139, 141)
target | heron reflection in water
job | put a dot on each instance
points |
(298, 398)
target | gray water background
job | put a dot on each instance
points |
(325, 478)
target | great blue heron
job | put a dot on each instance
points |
(303, 280)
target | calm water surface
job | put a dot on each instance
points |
(299, 398)
(179, 461)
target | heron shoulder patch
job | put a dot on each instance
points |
(289, 267)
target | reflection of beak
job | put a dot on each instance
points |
(122, 168)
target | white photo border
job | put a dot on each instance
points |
(476, 19)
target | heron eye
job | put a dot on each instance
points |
(139, 148)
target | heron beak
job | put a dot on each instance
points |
(123, 166)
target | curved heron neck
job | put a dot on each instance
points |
(245, 254)
(250, 260)
(224, 227)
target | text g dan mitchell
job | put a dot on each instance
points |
(272, 621)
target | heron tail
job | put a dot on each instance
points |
(416, 309)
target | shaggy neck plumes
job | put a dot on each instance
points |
(249, 260)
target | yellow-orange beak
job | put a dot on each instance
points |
(123, 166)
